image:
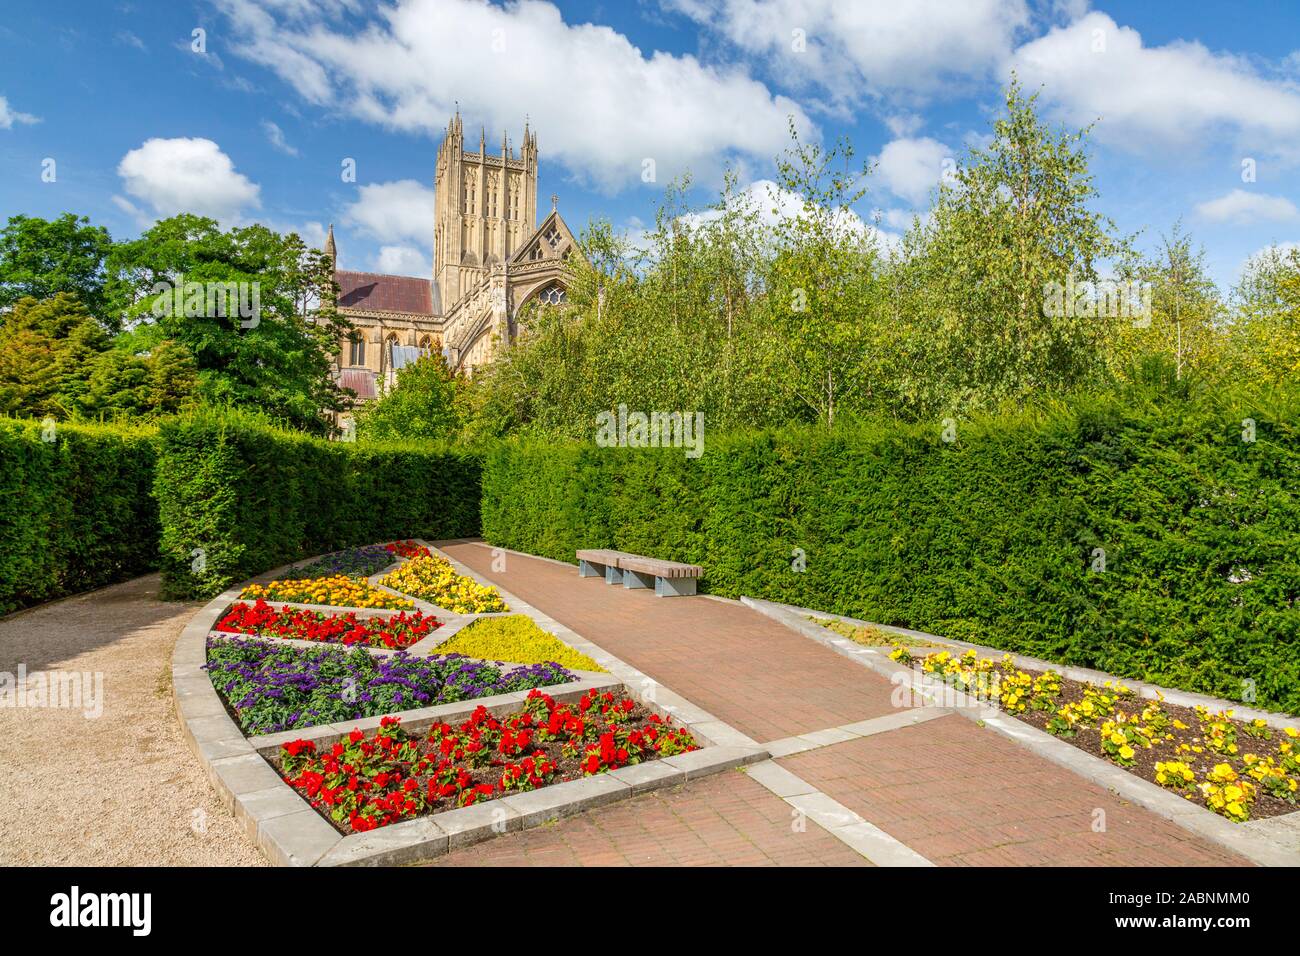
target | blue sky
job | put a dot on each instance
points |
(257, 125)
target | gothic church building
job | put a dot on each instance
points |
(490, 258)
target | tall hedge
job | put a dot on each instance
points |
(238, 496)
(76, 509)
(992, 538)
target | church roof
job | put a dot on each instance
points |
(375, 292)
(550, 240)
(360, 380)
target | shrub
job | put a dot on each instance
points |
(239, 496)
(1143, 538)
(76, 512)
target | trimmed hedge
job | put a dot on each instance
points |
(991, 539)
(238, 496)
(76, 512)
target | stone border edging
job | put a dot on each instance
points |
(290, 832)
(1179, 811)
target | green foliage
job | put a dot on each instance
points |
(41, 258)
(1014, 218)
(422, 406)
(56, 360)
(280, 364)
(238, 496)
(76, 510)
(780, 306)
(1263, 343)
(992, 538)
(823, 282)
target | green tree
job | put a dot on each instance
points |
(824, 282)
(279, 360)
(1185, 316)
(1262, 341)
(421, 405)
(43, 257)
(56, 360)
(1010, 224)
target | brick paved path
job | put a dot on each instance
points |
(726, 819)
(954, 793)
(963, 796)
(744, 668)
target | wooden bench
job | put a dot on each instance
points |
(601, 562)
(634, 571)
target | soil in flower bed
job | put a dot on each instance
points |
(352, 562)
(364, 782)
(390, 631)
(866, 636)
(1198, 740)
(269, 686)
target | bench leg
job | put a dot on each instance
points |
(588, 570)
(674, 587)
(613, 575)
(633, 580)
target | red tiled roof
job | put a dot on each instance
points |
(381, 293)
(360, 380)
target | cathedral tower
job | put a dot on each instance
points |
(485, 207)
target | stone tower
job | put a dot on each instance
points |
(485, 208)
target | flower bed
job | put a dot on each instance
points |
(517, 639)
(1236, 768)
(865, 635)
(392, 631)
(406, 549)
(270, 687)
(352, 563)
(365, 782)
(433, 579)
(340, 591)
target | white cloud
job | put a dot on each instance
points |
(908, 49)
(900, 220)
(600, 105)
(9, 116)
(275, 136)
(403, 261)
(311, 232)
(1269, 257)
(394, 212)
(773, 203)
(910, 168)
(187, 175)
(1180, 95)
(127, 38)
(1244, 208)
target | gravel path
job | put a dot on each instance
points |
(122, 788)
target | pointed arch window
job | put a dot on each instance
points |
(553, 294)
